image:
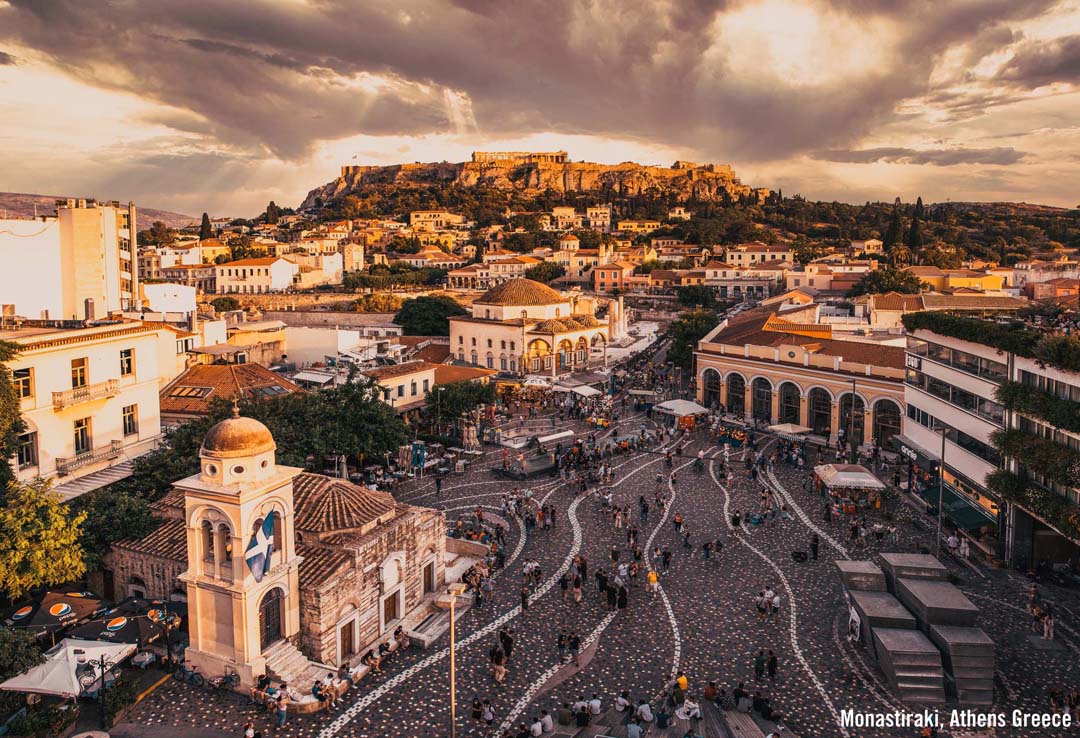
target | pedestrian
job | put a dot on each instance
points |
(814, 543)
(506, 640)
(477, 709)
(651, 582)
(524, 600)
(562, 644)
(771, 665)
(488, 713)
(759, 666)
(438, 484)
(665, 559)
(736, 520)
(564, 585)
(281, 705)
(574, 644)
(577, 589)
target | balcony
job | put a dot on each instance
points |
(97, 391)
(113, 450)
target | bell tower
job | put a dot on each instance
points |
(242, 579)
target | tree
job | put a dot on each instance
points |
(915, 234)
(697, 295)
(428, 316)
(225, 303)
(887, 279)
(546, 272)
(112, 514)
(450, 401)
(895, 231)
(378, 302)
(19, 652)
(206, 230)
(39, 540)
(685, 333)
(273, 213)
(11, 423)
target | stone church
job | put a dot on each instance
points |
(346, 564)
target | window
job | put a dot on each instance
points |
(474, 340)
(427, 385)
(23, 379)
(127, 362)
(511, 345)
(502, 344)
(78, 373)
(490, 343)
(412, 388)
(82, 436)
(131, 420)
(26, 450)
(401, 390)
(461, 339)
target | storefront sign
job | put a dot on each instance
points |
(913, 362)
(909, 453)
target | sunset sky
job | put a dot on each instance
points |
(217, 105)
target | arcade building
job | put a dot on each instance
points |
(283, 571)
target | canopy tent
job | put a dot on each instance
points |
(680, 408)
(536, 380)
(586, 391)
(847, 476)
(642, 393)
(789, 430)
(54, 611)
(66, 671)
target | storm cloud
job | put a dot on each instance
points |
(279, 76)
(935, 157)
(6, 59)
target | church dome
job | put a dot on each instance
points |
(237, 436)
(549, 326)
(523, 292)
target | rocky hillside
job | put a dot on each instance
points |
(683, 181)
(21, 205)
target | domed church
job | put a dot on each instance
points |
(524, 327)
(283, 570)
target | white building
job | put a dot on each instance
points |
(89, 399)
(165, 297)
(250, 276)
(75, 265)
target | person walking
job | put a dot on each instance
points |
(524, 600)
(771, 665)
(477, 712)
(814, 543)
(564, 585)
(759, 666)
(506, 640)
(574, 643)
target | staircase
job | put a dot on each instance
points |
(285, 663)
(912, 664)
(969, 659)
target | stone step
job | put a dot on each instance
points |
(975, 696)
(971, 662)
(969, 674)
(918, 672)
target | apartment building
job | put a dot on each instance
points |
(77, 264)
(203, 277)
(434, 220)
(254, 276)
(745, 254)
(89, 398)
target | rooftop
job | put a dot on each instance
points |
(192, 392)
(520, 292)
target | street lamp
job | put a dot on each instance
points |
(105, 665)
(455, 591)
(438, 408)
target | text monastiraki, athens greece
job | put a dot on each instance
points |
(529, 370)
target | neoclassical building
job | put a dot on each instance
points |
(780, 365)
(524, 327)
(345, 566)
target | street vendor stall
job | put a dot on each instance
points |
(684, 413)
(67, 671)
(644, 399)
(849, 487)
(790, 431)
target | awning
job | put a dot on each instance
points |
(315, 377)
(95, 480)
(847, 476)
(681, 408)
(535, 380)
(65, 672)
(790, 429)
(957, 508)
(586, 391)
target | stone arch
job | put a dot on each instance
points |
(853, 424)
(887, 420)
(736, 393)
(761, 390)
(272, 607)
(565, 353)
(790, 407)
(710, 388)
(819, 402)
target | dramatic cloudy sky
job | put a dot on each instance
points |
(222, 105)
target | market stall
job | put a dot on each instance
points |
(790, 431)
(67, 671)
(849, 487)
(683, 413)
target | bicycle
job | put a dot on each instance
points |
(229, 681)
(191, 676)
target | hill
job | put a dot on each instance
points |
(21, 205)
(523, 176)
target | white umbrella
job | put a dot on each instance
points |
(790, 429)
(60, 673)
(681, 408)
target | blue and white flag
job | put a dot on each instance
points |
(261, 547)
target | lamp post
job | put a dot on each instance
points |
(105, 665)
(438, 408)
(455, 591)
(851, 423)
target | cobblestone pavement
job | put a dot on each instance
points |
(702, 622)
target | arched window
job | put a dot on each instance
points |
(207, 535)
(710, 383)
(790, 401)
(761, 397)
(853, 427)
(819, 411)
(736, 394)
(886, 421)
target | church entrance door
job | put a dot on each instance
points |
(270, 619)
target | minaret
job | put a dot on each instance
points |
(242, 578)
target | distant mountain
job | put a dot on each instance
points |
(21, 205)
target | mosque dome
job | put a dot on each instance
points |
(520, 292)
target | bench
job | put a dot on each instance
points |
(712, 722)
(742, 725)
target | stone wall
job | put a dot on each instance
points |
(160, 575)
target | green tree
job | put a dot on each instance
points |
(697, 295)
(225, 303)
(894, 233)
(39, 539)
(915, 234)
(242, 247)
(887, 279)
(206, 230)
(685, 333)
(941, 256)
(450, 401)
(428, 316)
(273, 213)
(405, 245)
(11, 423)
(377, 302)
(19, 652)
(112, 514)
(546, 272)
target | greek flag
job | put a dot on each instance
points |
(261, 547)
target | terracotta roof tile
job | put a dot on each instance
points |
(319, 564)
(169, 541)
(191, 392)
(325, 504)
(520, 292)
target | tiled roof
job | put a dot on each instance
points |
(971, 302)
(325, 504)
(191, 392)
(396, 370)
(319, 564)
(925, 271)
(169, 541)
(256, 261)
(896, 301)
(520, 292)
(434, 353)
(445, 374)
